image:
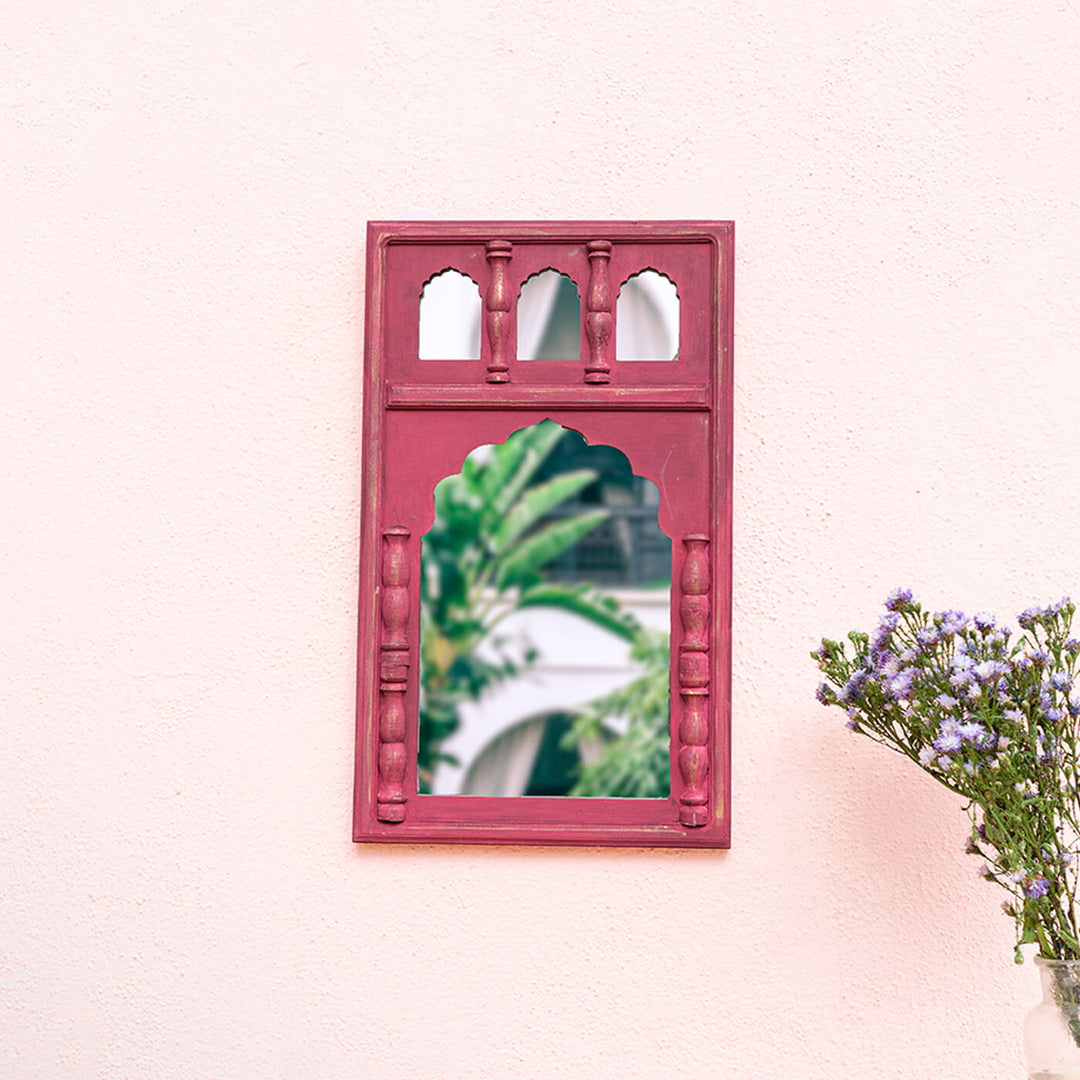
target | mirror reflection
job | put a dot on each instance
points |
(549, 318)
(545, 618)
(450, 316)
(647, 318)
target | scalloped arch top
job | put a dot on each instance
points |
(647, 318)
(450, 317)
(549, 317)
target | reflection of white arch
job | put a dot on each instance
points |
(504, 765)
(450, 316)
(647, 318)
(578, 663)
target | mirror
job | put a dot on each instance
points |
(647, 318)
(506, 675)
(549, 318)
(545, 625)
(450, 316)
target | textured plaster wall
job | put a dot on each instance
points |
(185, 189)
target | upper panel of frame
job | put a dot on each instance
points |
(599, 258)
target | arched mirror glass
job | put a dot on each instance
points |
(549, 318)
(450, 316)
(544, 625)
(647, 318)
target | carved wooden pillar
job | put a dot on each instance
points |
(498, 310)
(393, 675)
(598, 319)
(694, 681)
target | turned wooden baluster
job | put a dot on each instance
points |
(598, 318)
(393, 675)
(498, 310)
(693, 753)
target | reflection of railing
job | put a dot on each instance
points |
(626, 549)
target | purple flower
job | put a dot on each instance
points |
(948, 742)
(1071, 647)
(984, 621)
(853, 688)
(926, 756)
(887, 624)
(947, 702)
(899, 686)
(950, 622)
(1029, 616)
(928, 637)
(824, 694)
(971, 731)
(1036, 887)
(898, 599)
(961, 661)
(1060, 681)
(887, 665)
(989, 669)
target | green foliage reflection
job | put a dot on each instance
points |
(493, 534)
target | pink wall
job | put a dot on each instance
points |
(185, 193)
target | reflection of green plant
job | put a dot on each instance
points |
(481, 562)
(637, 763)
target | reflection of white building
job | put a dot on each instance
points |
(502, 736)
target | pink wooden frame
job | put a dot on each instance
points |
(672, 419)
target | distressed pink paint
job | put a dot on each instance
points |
(673, 421)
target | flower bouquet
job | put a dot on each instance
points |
(993, 717)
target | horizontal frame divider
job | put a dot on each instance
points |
(515, 396)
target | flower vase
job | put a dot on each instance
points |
(1052, 1028)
